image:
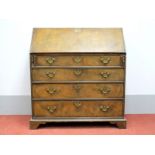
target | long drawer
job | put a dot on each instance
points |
(83, 90)
(78, 60)
(77, 74)
(77, 108)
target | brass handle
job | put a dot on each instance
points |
(50, 74)
(105, 74)
(77, 88)
(50, 60)
(77, 104)
(105, 60)
(104, 90)
(77, 72)
(104, 108)
(52, 91)
(77, 59)
(51, 109)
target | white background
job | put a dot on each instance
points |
(81, 144)
(17, 18)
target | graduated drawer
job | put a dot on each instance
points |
(77, 74)
(83, 90)
(78, 60)
(78, 108)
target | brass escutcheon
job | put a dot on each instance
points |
(77, 72)
(50, 60)
(77, 88)
(77, 104)
(77, 59)
(105, 60)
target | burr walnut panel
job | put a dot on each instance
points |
(77, 74)
(79, 60)
(54, 91)
(78, 108)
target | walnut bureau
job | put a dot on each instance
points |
(77, 75)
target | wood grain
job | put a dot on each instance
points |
(77, 90)
(86, 109)
(77, 74)
(85, 60)
(77, 40)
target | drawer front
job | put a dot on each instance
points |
(78, 74)
(84, 60)
(89, 90)
(77, 108)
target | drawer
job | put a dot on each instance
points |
(84, 90)
(77, 108)
(78, 60)
(77, 74)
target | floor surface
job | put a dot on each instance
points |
(138, 124)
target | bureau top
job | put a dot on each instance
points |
(46, 40)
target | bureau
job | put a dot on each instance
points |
(77, 75)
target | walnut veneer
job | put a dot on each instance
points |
(77, 75)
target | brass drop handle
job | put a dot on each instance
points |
(77, 104)
(104, 108)
(105, 74)
(50, 60)
(77, 59)
(105, 60)
(77, 72)
(104, 90)
(50, 74)
(51, 109)
(52, 91)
